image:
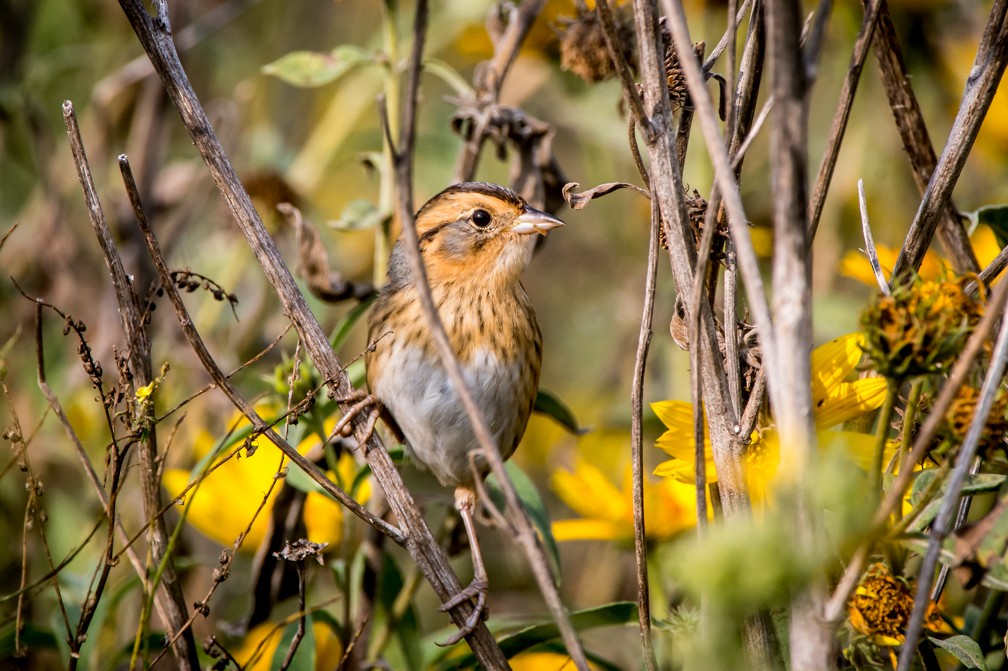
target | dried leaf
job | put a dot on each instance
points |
(578, 201)
(313, 262)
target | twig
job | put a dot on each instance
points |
(525, 533)
(981, 85)
(748, 264)
(757, 125)
(155, 36)
(92, 475)
(906, 111)
(637, 444)
(490, 77)
(842, 115)
(138, 343)
(616, 53)
(870, 250)
(726, 40)
(942, 525)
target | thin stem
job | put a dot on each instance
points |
(637, 444)
(882, 434)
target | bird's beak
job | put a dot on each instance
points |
(532, 220)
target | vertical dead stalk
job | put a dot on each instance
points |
(169, 599)
(637, 444)
(811, 637)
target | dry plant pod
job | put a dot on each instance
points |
(583, 47)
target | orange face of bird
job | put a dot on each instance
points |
(479, 231)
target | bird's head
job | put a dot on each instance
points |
(476, 230)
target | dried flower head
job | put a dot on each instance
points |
(674, 75)
(921, 328)
(583, 48)
(960, 416)
(881, 605)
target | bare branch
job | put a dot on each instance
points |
(981, 85)
(842, 116)
(870, 242)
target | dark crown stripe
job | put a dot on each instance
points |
(484, 188)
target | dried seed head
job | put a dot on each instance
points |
(921, 328)
(583, 48)
(960, 416)
(674, 75)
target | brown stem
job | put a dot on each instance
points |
(637, 445)
(811, 639)
(169, 592)
(842, 115)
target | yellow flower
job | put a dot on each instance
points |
(835, 400)
(854, 263)
(606, 511)
(221, 506)
(260, 645)
(543, 661)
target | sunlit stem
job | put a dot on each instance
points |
(386, 194)
(885, 418)
(909, 418)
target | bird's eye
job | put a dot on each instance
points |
(481, 218)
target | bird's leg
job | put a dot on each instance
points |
(465, 502)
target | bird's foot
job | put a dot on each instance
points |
(477, 590)
(361, 401)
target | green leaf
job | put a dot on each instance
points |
(309, 69)
(345, 326)
(995, 216)
(449, 76)
(544, 636)
(33, 636)
(359, 215)
(534, 506)
(406, 628)
(550, 405)
(964, 649)
(304, 657)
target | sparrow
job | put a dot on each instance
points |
(475, 240)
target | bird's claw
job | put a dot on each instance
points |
(477, 590)
(362, 401)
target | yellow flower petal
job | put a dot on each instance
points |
(586, 530)
(832, 362)
(588, 492)
(850, 400)
(683, 470)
